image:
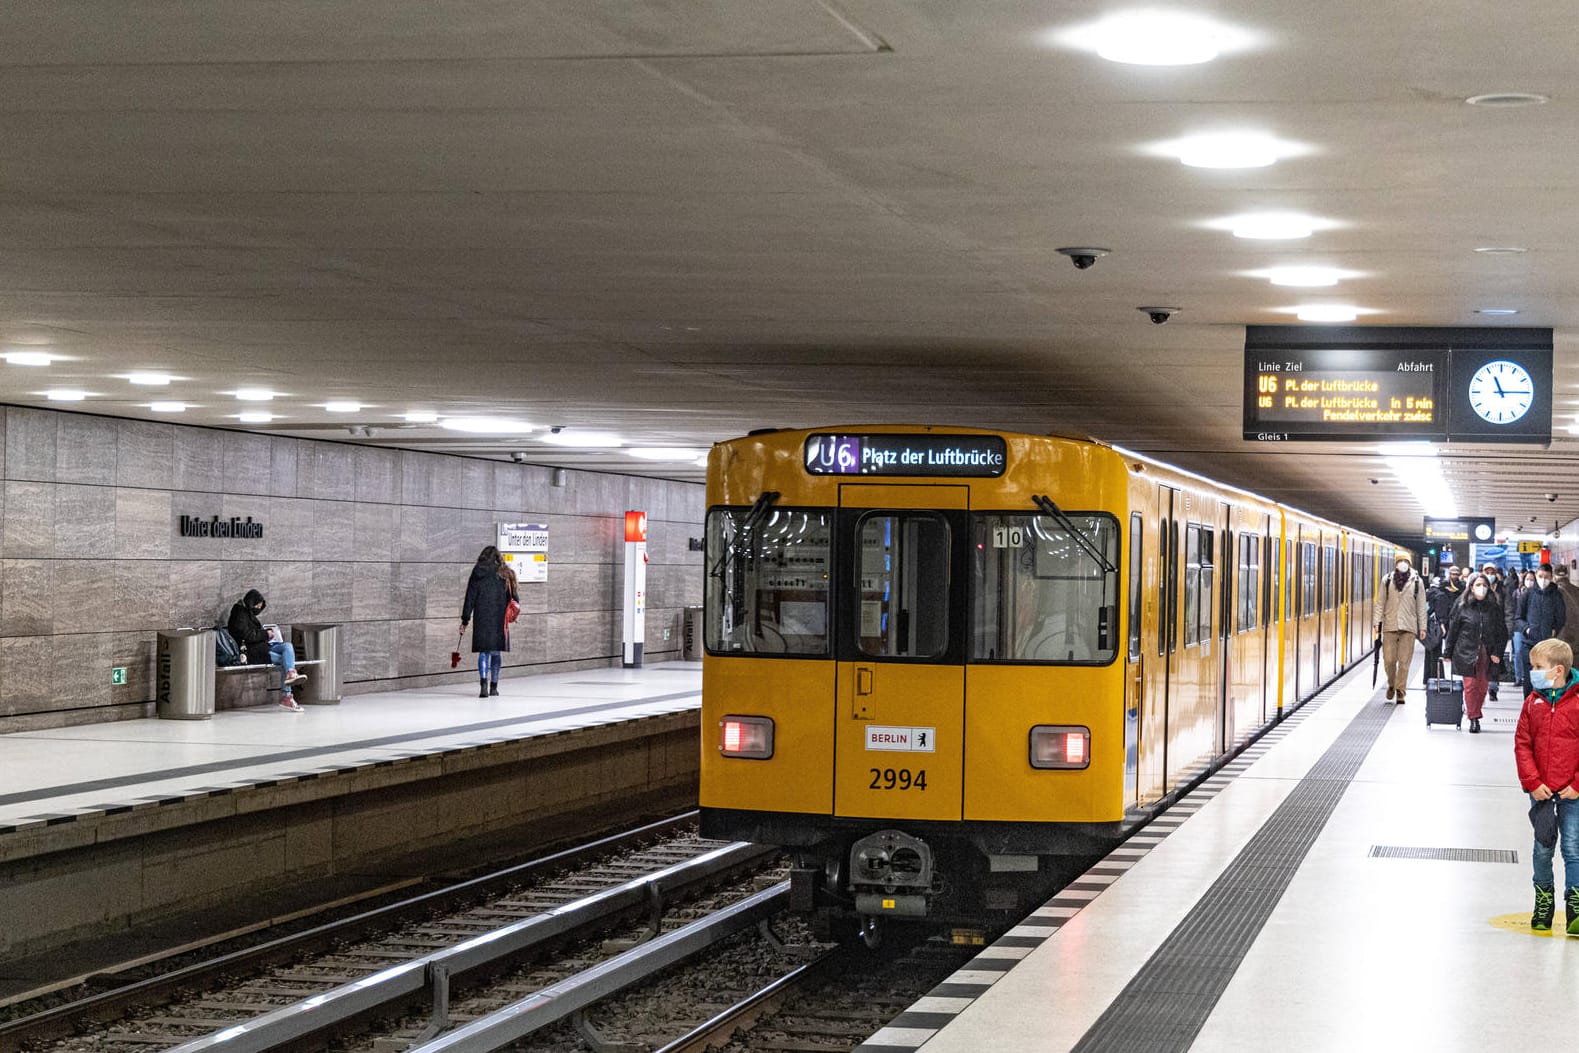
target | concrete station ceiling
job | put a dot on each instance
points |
(679, 220)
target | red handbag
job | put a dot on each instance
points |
(512, 612)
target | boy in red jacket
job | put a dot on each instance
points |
(1547, 747)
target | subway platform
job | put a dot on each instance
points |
(104, 827)
(1355, 880)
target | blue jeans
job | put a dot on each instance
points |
(1521, 660)
(1567, 840)
(284, 655)
(488, 669)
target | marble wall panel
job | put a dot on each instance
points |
(528, 641)
(570, 637)
(248, 462)
(237, 576)
(29, 520)
(199, 462)
(84, 521)
(372, 589)
(85, 595)
(31, 438)
(27, 597)
(140, 597)
(469, 483)
(444, 589)
(408, 591)
(447, 538)
(85, 449)
(477, 529)
(369, 651)
(144, 523)
(256, 507)
(197, 597)
(412, 655)
(377, 531)
(81, 670)
(378, 475)
(334, 530)
(289, 530)
(291, 594)
(27, 665)
(144, 451)
(412, 542)
(583, 587)
(137, 652)
(326, 471)
(332, 592)
(509, 491)
(284, 455)
(419, 473)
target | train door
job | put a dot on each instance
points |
(902, 581)
(1269, 670)
(1227, 682)
(1161, 643)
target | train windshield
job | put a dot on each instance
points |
(767, 581)
(1041, 595)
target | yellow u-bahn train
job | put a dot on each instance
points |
(939, 659)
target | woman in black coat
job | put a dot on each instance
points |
(488, 595)
(1476, 636)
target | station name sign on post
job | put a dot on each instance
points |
(1397, 384)
(957, 455)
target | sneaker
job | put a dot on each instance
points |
(296, 678)
(291, 704)
(1545, 907)
(1573, 912)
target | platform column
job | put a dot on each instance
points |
(635, 587)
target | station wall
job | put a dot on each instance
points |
(379, 541)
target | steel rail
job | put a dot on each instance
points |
(324, 1012)
(553, 1004)
(745, 1012)
(65, 1019)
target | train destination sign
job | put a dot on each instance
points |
(952, 455)
(1392, 384)
(1352, 394)
(1479, 529)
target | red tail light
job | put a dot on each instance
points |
(749, 738)
(1057, 746)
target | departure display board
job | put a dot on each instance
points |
(957, 455)
(1479, 529)
(1397, 384)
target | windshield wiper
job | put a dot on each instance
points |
(1045, 503)
(753, 517)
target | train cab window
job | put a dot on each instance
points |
(903, 576)
(767, 581)
(1040, 595)
(1136, 559)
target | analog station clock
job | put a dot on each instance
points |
(1501, 392)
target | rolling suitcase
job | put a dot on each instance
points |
(1444, 702)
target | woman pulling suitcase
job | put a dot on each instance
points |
(1476, 636)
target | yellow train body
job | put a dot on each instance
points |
(957, 653)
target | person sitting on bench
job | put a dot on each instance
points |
(260, 644)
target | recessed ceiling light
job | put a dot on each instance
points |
(1496, 310)
(1271, 226)
(1327, 312)
(167, 407)
(254, 394)
(667, 453)
(65, 395)
(255, 417)
(1508, 98)
(1501, 250)
(1156, 38)
(421, 417)
(151, 380)
(1230, 150)
(487, 425)
(1303, 277)
(28, 358)
(345, 406)
(589, 440)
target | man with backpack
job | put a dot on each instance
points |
(1402, 621)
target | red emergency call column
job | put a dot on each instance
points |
(635, 587)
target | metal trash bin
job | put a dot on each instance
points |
(691, 637)
(184, 674)
(318, 643)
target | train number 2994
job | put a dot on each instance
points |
(900, 779)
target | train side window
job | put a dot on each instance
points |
(1329, 577)
(1307, 579)
(1164, 578)
(1249, 582)
(1204, 632)
(767, 581)
(902, 573)
(1040, 595)
(1192, 584)
(1136, 558)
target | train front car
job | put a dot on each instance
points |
(913, 675)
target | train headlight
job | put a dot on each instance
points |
(749, 738)
(1060, 746)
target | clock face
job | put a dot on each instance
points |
(1501, 391)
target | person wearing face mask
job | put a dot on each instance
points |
(1541, 616)
(1503, 595)
(1441, 600)
(1402, 621)
(1521, 584)
(1476, 638)
(1569, 634)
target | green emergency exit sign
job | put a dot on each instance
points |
(118, 675)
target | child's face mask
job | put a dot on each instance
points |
(1541, 679)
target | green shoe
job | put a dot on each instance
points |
(1573, 912)
(1545, 907)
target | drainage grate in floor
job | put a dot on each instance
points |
(1451, 855)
